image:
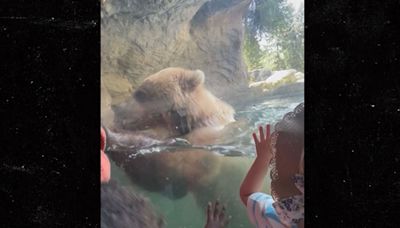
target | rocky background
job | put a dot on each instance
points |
(272, 81)
(141, 37)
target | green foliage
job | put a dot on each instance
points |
(268, 16)
(276, 24)
(252, 52)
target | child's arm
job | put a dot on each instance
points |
(254, 179)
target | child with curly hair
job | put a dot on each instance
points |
(284, 152)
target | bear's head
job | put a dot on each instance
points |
(178, 97)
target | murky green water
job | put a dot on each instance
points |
(238, 153)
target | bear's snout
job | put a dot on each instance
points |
(180, 121)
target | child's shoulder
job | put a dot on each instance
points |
(261, 211)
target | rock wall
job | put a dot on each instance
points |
(141, 37)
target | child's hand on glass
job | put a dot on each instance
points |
(216, 217)
(263, 145)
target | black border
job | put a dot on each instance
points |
(50, 105)
(50, 96)
(352, 113)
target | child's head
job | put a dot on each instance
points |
(287, 173)
(288, 144)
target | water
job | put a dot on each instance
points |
(234, 154)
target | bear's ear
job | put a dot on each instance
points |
(193, 79)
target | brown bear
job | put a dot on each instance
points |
(171, 103)
(174, 103)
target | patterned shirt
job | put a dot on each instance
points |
(261, 211)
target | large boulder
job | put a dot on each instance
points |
(278, 79)
(107, 115)
(139, 38)
(259, 74)
(123, 208)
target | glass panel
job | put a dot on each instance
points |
(183, 86)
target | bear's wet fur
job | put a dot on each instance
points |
(174, 102)
(171, 103)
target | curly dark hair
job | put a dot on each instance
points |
(287, 143)
(124, 209)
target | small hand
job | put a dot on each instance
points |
(263, 145)
(216, 216)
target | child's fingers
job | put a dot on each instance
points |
(268, 127)
(222, 214)
(255, 138)
(221, 218)
(261, 133)
(216, 210)
(210, 212)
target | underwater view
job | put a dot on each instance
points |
(184, 84)
(238, 153)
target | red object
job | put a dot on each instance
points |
(105, 166)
